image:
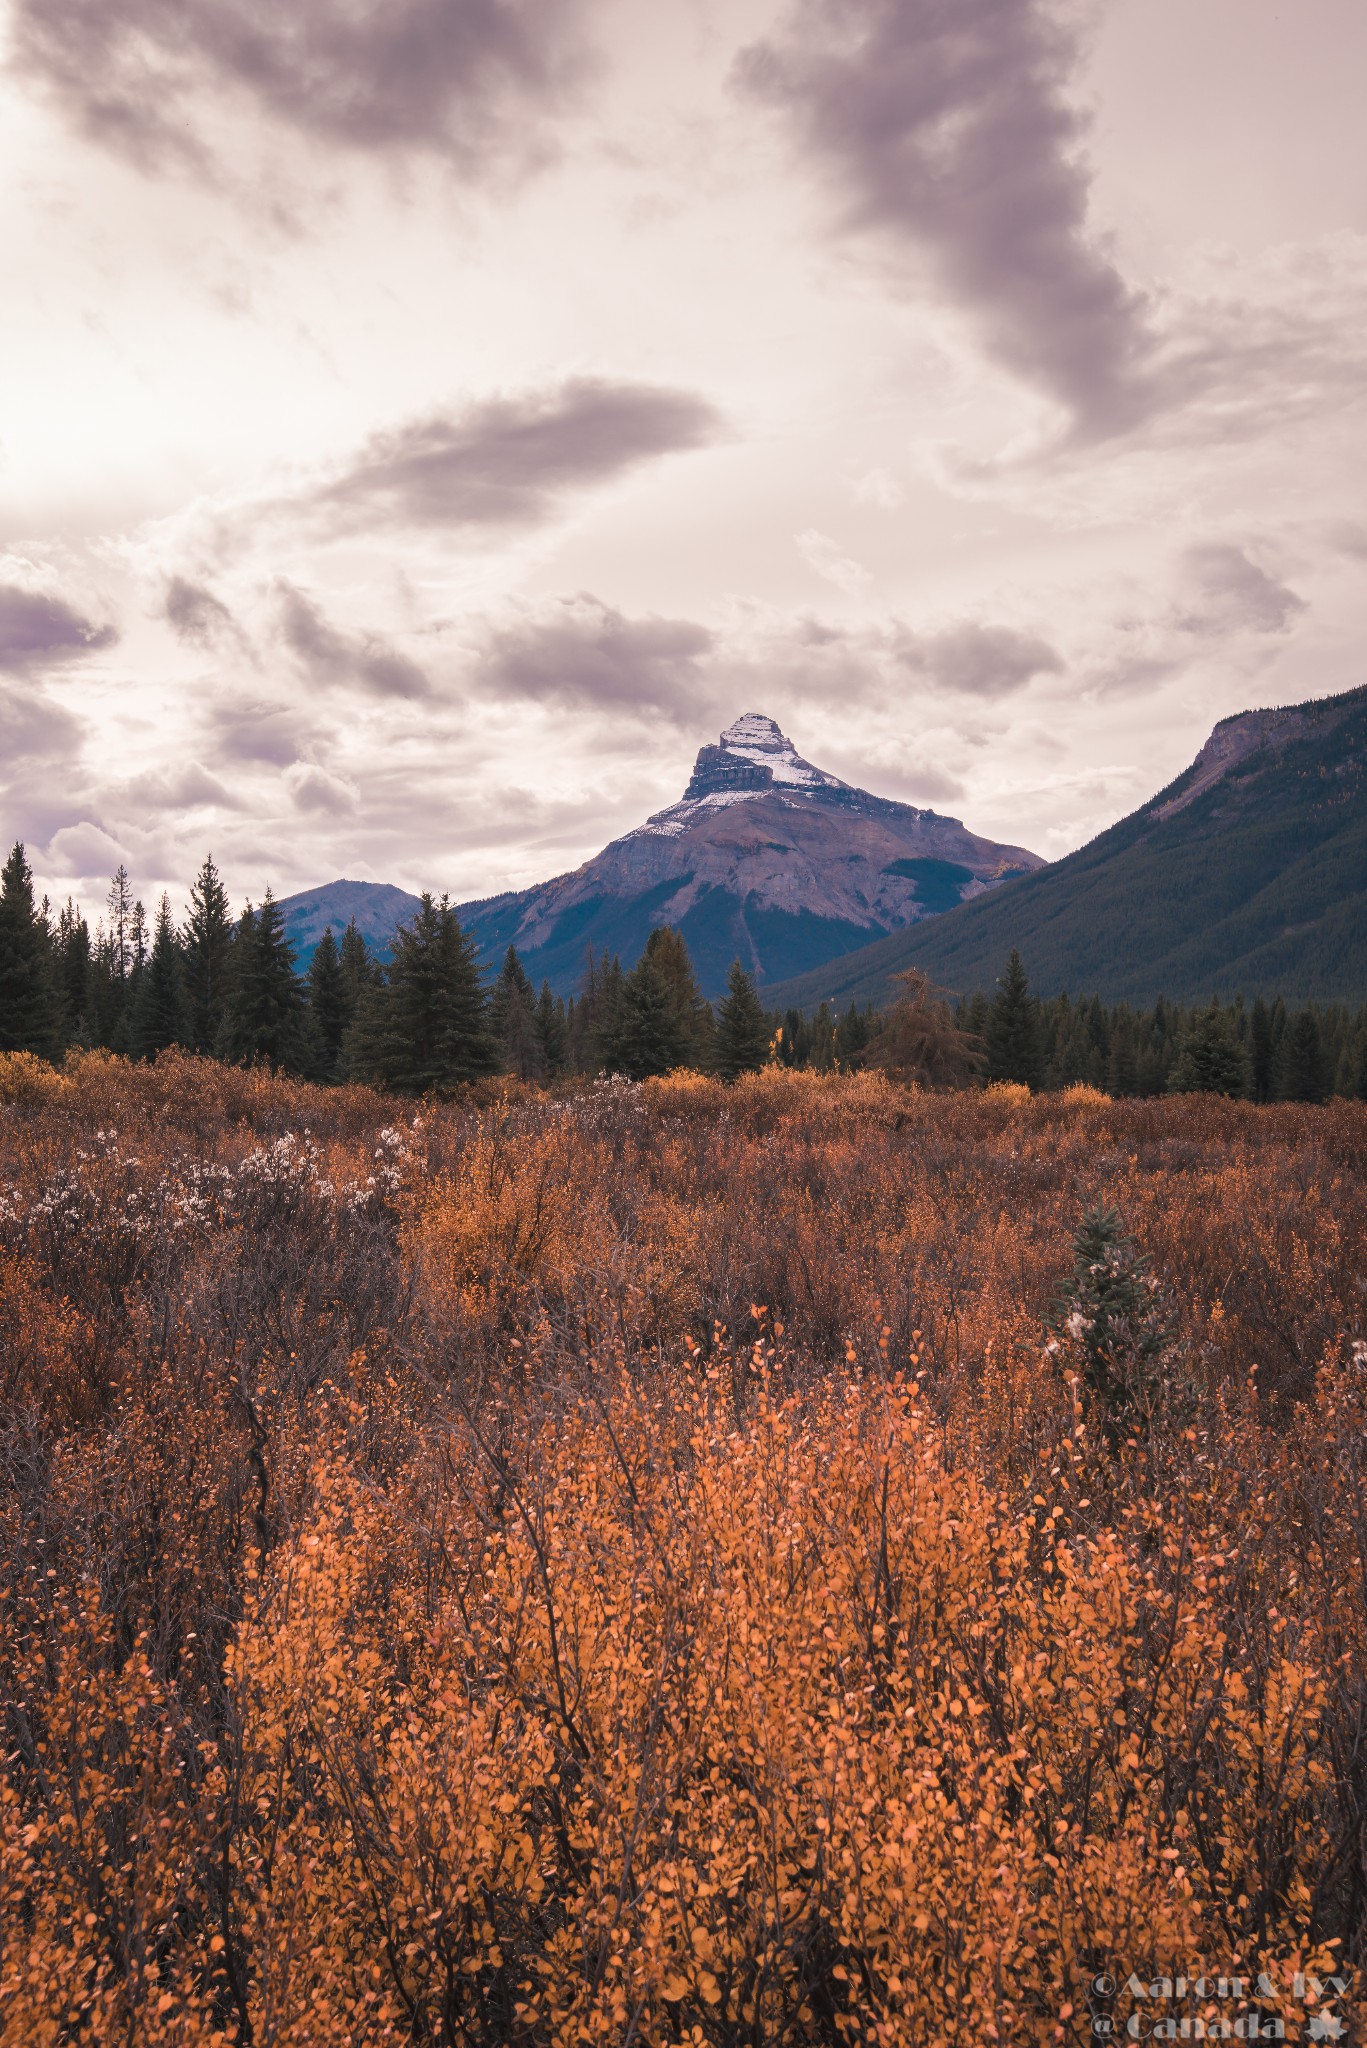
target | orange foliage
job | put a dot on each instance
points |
(627, 1569)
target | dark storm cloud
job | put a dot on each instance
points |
(978, 661)
(505, 462)
(37, 627)
(471, 79)
(254, 730)
(1230, 593)
(587, 654)
(331, 657)
(196, 616)
(947, 126)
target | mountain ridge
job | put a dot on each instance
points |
(1247, 871)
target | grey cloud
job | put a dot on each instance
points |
(471, 79)
(37, 627)
(588, 654)
(980, 661)
(505, 462)
(948, 127)
(196, 616)
(253, 730)
(34, 729)
(331, 657)
(180, 789)
(1230, 593)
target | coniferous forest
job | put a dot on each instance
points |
(426, 1020)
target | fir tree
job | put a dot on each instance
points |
(668, 954)
(1260, 1051)
(1211, 1060)
(742, 1028)
(1122, 1061)
(653, 1036)
(208, 941)
(552, 1028)
(1304, 1069)
(427, 1030)
(158, 1010)
(264, 1015)
(1014, 1052)
(71, 975)
(512, 1020)
(29, 1019)
(332, 1004)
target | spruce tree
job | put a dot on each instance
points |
(1304, 1070)
(668, 954)
(29, 1019)
(158, 1009)
(1014, 1052)
(1260, 1050)
(1122, 1061)
(264, 1019)
(332, 1004)
(512, 1020)
(742, 1028)
(552, 1029)
(1211, 1060)
(71, 975)
(427, 1030)
(653, 1038)
(208, 943)
(1115, 1321)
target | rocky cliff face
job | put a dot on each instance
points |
(764, 858)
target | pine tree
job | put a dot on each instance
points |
(668, 954)
(1122, 1061)
(552, 1029)
(71, 975)
(1014, 1052)
(742, 1028)
(512, 1020)
(653, 1037)
(1260, 1050)
(428, 1030)
(264, 1015)
(1211, 1060)
(1304, 1070)
(158, 1009)
(208, 941)
(332, 1004)
(29, 1019)
(918, 1040)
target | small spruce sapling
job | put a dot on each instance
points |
(1112, 1319)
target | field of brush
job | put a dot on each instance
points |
(656, 1564)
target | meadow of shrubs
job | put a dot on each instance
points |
(811, 1560)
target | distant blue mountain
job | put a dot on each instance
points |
(378, 907)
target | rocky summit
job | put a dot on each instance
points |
(765, 858)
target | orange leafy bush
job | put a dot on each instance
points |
(627, 1568)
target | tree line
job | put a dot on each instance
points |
(426, 1021)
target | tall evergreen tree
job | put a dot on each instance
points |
(669, 956)
(332, 1004)
(208, 943)
(1211, 1060)
(654, 1036)
(428, 1030)
(29, 1019)
(512, 1020)
(742, 1028)
(158, 1017)
(71, 975)
(1260, 1050)
(1014, 1051)
(264, 1018)
(552, 1029)
(1304, 1069)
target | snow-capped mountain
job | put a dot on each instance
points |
(764, 858)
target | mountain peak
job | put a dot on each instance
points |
(754, 754)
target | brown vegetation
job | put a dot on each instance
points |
(628, 1568)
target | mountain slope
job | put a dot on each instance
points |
(1248, 872)
(376, 906)
(764, 858)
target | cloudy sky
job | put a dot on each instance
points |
(423, 422)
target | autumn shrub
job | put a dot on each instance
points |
(629, 1566)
